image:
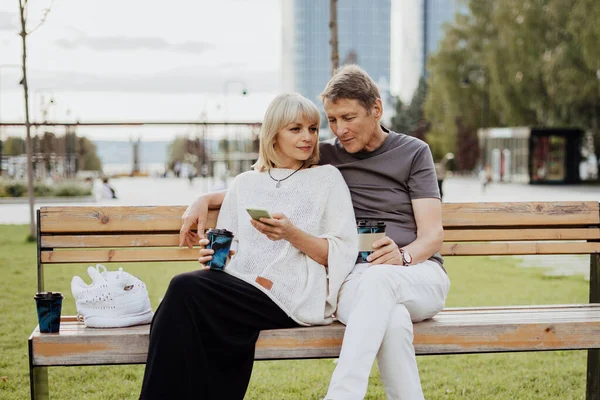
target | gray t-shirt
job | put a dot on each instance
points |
(383, 182)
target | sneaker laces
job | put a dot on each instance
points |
(102, 272)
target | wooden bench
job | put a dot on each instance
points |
(147, 234)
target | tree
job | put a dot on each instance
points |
(333, 39)
(401, 121)
(14, 146)
(539, 63)
(467, 147)
(47, 148)
(88, 159)
(24, 33)
(410, 119)
(176, 151)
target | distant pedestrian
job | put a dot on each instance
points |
(440, 172)
(485, 177)
(108, 192)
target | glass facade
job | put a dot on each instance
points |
(363, 36)
(548, 158)
(421, 28)
(534, 155)
(436, 13)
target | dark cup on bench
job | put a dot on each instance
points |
(49, 306)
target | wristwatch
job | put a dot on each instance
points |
(406, 257)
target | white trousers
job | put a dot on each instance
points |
(379, 304)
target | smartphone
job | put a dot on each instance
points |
(258, 213)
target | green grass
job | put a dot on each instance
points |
(475, 282)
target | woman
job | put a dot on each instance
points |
(286, 273)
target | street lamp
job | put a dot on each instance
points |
(480, 73)
(44, 106)
(244, 92)
(226, 93)
(2, 66)
(1, 145)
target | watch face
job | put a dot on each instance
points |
(407, 258)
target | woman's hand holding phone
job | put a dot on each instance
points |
(276, 227)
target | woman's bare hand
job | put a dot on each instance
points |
(206, 254)
(277, 228)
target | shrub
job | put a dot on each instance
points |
(41, 190)
(15, 189)
(67, 189)
(71, 189)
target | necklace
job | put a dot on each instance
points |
(283, 179)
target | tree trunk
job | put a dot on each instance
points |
(333, 41)
(32, 230)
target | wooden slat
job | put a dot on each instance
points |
(172, 239)
(475, 330)
(539, 214)
(185, 254)
(114, 219)
(119, 255)
(485, 235)
(499, 249)
(97, 241)
(168, 218)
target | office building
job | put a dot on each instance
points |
(363, 36)
(417, 31)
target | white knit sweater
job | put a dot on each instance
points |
(317, 201)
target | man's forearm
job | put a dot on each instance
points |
(425, 246)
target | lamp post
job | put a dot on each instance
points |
(226, 86)
(481, 73)
(244, 92)
(2, 66)
(44, 105)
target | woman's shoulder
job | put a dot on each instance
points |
(327, 170)
(248, 175)
(327, 176)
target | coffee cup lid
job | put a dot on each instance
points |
(224, 232)
(48, 295)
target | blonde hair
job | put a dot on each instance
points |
(352, 82)
(284, 110)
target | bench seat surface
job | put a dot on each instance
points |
(453, 331)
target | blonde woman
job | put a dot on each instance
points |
(287, 270)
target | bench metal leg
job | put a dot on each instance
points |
(38, 378)
(593, 361)
(593, 375)
(39, 383)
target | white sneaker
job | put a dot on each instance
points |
(114, 299)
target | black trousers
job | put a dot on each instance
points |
(203, 336)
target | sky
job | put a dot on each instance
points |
(107, 60)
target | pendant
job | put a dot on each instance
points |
(278, 184)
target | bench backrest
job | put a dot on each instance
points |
(146, 234)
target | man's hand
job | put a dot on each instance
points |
(276, 228)
(206, 254)
(197, 212)
(386, 252)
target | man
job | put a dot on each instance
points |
(391, 178)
